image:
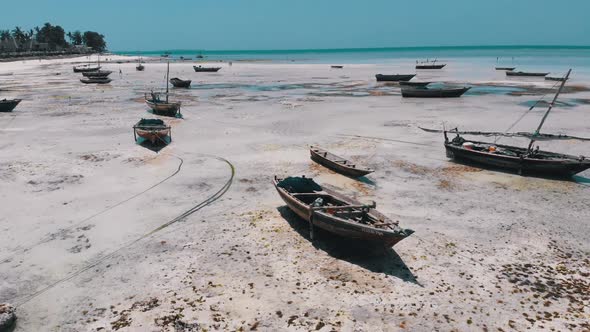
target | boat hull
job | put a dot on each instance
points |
(153, 135)
(139, 68)
(433, 93)
(411, 83)
(430, 66)
(506, 68)
(320, 157)
(9, 105)
(163, 108)
(178, 83)
(525, 74)
(394, 78)
(96, 80)
(559, 166)
(206, 69)
(341, 227)
(97, 74)
(85, 69)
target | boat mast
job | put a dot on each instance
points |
(167, 81)
(548, 110)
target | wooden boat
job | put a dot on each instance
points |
(524, 73)
(96, 80)
(394, 78)
(178, 83)
(414, 83)
(206, 69)
(338, 214)
(97, 73)
(522, 160)
(413, 92)
(337, 164)
(85, 68)
(140, 67)
(506, 68)
(429, 65)
(7, 105)
(163, 106)
(554, 78)
(153, 130)
(336, 66)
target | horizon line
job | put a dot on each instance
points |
(546, 46)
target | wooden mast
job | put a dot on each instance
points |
(548, 110)
(167, 81)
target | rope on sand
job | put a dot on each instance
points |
(217, 195)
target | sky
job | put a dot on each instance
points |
(143, 25)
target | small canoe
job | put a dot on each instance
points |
(337, 164)
(98, 73)
(7, 105)
(162, 107)
(85, 68)
(337, 67)
(433, 93)
(338, 214)
(96, 80)
(394, 78)
(430, 66)
(506, 68)
(524, 73)
(414, 83)
(178, 83)
(153, 130)
(200, 69)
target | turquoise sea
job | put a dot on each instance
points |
(575, 56)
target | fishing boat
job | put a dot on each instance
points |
(338, 214)
(178, 83)
(414, 83)
(140, 66)
(337, 164)
(524, 73)
(200, 69)
(85, 68)
(417, 92)
(163, 106)
(506, 68)
(336, 66)
(7, 105)
(554, 78)
(153, 130)
(522, 160)
(429, 65)
(95, 80)
(97, 73)
(394, 78)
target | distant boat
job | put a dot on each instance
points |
(429, 65)
(85, 68)
(412, 92)
(153, 130)
(206, 69)
(96, 80)
(139, 67)
(337, 164)
(555, 78)
(524, 73)
(506, 68)
(394, 78)
(97, 73)
(414, 83)
(338, 214)
(336, 66)
(163, 106)
(7, 105)
(178, 83)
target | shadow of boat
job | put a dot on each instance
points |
(369, 256)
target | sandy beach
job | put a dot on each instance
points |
(95, 235)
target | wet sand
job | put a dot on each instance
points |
(492, 250)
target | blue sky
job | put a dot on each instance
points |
(295, 24)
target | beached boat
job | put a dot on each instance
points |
(337, 164)
(336, 66)
(85, 68)
(417, 92)
(7, 105)
(199, 69)
(97, 73)
(338, 214)
(394, 78)
(95, 80)
(153, 130)
(178, 83)
(429, 65)
(414, 83)
(524, 73)
(554, 78)
(140, 67)
(522, 160)
(505, 68)
(163, 106)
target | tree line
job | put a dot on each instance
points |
(55, 37)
